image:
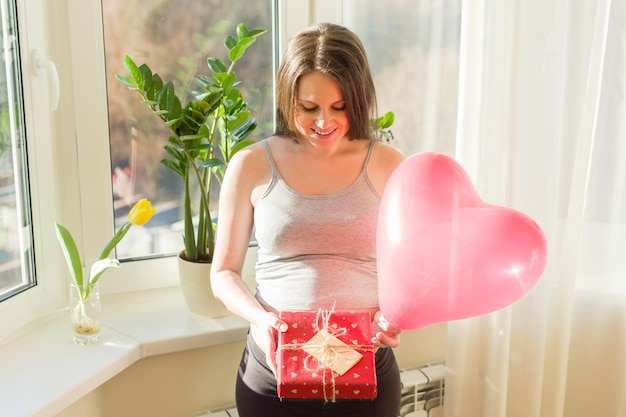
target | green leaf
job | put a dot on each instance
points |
(386, 121)
(217, 65)
(198, 146)
(239, 50)
(245, 129)
(235, 121)
(173, 166)
(115, 240)
(174, 152)
(212, 162)
(126, 80)
(153, 90)
(234, 101)
(230, 42)
(242, 31)
(145, 80)
(132, 69)
(256, 32)
(190, 137)
(226, 81)
(72, 257)
(97, 269)
(170, 102)
(172, 122)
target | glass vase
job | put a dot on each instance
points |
(85, 314)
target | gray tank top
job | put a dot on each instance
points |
(317, 251)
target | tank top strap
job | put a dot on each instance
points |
(275, 175)
(369, 154)
(268, 152)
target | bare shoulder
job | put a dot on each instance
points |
(249, 154)
(250, 164)
(385, 159)
(383, 162)
(387, 154)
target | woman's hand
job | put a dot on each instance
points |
(268, 324)
(384, 334)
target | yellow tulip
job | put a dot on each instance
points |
(141, 213)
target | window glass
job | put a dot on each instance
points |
(174, 37)
(16, 254)
(413, 50)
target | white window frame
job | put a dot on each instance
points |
(36, 304)
(90, 124)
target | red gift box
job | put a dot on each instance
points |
(326, 355)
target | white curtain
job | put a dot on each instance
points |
(541, 128)
(412, 48)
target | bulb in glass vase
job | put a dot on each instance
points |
(85, 314)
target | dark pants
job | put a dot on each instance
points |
(256, 391)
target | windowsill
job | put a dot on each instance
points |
(43, 371)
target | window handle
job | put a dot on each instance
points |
(40, 64)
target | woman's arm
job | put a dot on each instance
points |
(246, 172)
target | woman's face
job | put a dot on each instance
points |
(320, 114)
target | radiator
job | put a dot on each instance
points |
(230, 411)
(423, 391)
(422, 394)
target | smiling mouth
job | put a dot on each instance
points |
(323, 133)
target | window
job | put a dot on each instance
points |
(174, 39)
(416, 79)
(31, 281)
(413, 50)
(16, 252)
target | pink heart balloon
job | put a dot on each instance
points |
(443, 253)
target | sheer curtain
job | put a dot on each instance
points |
(413, 50)
(541, 129)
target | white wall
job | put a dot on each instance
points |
(181, 384)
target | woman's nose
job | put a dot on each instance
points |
(323, 119)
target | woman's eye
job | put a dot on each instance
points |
(311, 109)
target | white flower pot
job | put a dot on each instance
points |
(195, 283)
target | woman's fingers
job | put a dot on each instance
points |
(270, 325)
(384, 339)
(385, 335)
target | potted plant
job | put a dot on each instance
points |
(84, 292)
(205, 133)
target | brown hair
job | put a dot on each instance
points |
(337, 52)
